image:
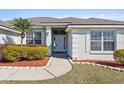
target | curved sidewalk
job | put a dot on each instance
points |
(58, 67)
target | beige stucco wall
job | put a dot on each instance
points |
(81, 45)
(7, 37)
(78, 42)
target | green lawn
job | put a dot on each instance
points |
(84, 74)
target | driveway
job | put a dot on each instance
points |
(59, 66)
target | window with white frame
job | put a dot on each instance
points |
(33, 37)
(37, 37)
(102, 41)
(29, 37)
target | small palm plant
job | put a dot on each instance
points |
(21, 25)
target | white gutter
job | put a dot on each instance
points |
(94, 26)
(37, 26)
(8, 29)
(69, 27)
(54, 24)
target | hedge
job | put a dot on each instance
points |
(1, 48)
(17, 53)
(1, 51)
(119, 55)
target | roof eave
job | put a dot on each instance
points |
(9, 29)
(70, 26)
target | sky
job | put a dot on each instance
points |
(114, 14)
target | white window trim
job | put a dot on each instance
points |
(26, 37)
(87, 41)
(33, 37)
(102, 51)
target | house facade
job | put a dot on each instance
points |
(80, 39)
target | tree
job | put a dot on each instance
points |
(21, 25)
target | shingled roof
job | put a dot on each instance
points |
(98, 21)
(69, 20)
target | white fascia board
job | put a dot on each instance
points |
(96, 26)
(93, 26)
(37, 26)
(54, 24)
(8, 29)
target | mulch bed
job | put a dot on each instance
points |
(105, 62)
(34, 63)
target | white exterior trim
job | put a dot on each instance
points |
(99, 26)
(55, 24)
(8, 29)
(101, 52)
(94, 27)
(49, 39)
(87, 40)
(37, 26)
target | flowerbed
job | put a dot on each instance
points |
(27, 55)
(17, 53)
(104, 62)
(34, 63)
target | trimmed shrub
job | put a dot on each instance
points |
(2, 46)
(17, 53)
(119, 55)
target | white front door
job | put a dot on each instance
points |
(59, 43)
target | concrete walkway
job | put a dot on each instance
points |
(59, 66)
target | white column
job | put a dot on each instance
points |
(49, 39)
(24, 40)
(120, 39)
